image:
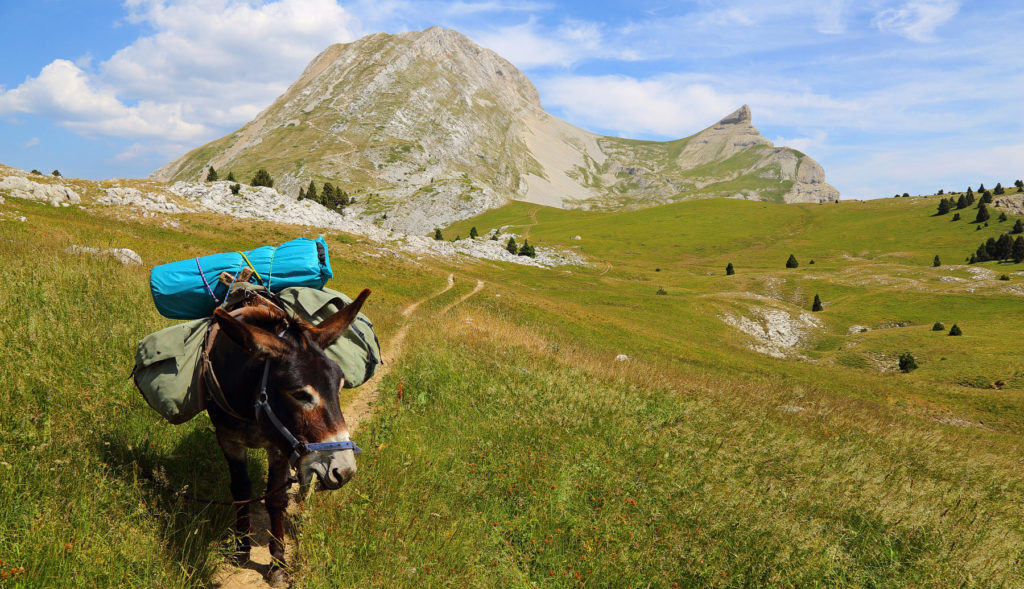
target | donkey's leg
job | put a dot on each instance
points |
(277, 502)
(241, 490)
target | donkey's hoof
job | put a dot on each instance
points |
(240, 556)
(279, 578)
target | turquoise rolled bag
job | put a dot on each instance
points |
(190, 289)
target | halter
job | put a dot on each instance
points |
(299, 449)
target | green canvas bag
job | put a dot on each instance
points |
(166, 369)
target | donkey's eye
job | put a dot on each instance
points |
(303, 396)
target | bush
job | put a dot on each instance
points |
(938, 326)
(955, 330)
(511, 246)
(437, 234)
(211, 176)
(527, 250)
(236, 188)
(661, 291)
(956, 216)
(907, 362)
(998, 189)
(729, 270)
(472, 233)
(936, 262)
(791, 262)
(816, 306)
(231, 177)
(36, 173)
(1002, 217)
(1018, 228)
(1004, 277)
(56, 173)
(262, 178)
(906, 195)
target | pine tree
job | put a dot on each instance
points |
(1018, 228)
(961, 203)
(982, 213)
(55, 173)
(970, 197)
(907, 362)
(302, 193)
(1004, 247)
(941, 192)
(211, 176)
(973, 259)
(1019, 183)
(970, 192)
(472, 232)
(1017, 253)
(1002, 217)
(981, 255)
(494, 236)
(816, 305)
(231, 177)
(986, 197)
(936, 262)
(955, 330)
(956, 216)
(511, 246)
(990, 248)
(262, 178)
(236, 188)
(437, 234)
(938, 326)
(981, 188)
(998, 189)
(311, 192)
(791, 262)
(729, 270)
(327, 196)
(944, 206)
(527, 250)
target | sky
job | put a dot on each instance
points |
(890, 96)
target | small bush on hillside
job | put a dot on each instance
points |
(906, 195)
(231, 177)
(955, 330)
(511, 246)
(1019, 183)
(982, 213)
(211, 175)
(791, 262)
(729, 270)
(262, 178)
(1004, 277)
(938, 326)
(494, 236)
(36, 173)
(472, 232)
(1002, 217)
(816, 305)
(527, 250)
(941, 192)
(936, 262)
(956, 216)
(56, 173)
(236, 188)
(907, 362)
(998, 189)
(661, 291)
(811, 262)
(437, 234)
(1018, 228)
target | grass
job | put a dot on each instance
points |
(520, 453)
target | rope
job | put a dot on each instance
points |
(233, 277)
(207, 284)
(270, 273)
(257, 274)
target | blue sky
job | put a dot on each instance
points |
(888, 95)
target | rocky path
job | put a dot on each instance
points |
(251, 575)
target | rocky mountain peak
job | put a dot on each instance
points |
(741, 116)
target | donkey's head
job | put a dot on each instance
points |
(302, 383)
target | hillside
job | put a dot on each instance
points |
(744, 441)
(427, 127)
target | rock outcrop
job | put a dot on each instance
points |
(425, 128)
(57, 194)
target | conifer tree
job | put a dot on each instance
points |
(970, 192)
(938, 326)
(961, 203)
(816, 305)
(1018, 228)
(262, 178)
(981, 188)
(1002, 217)
(791, 262)
(729, 270)
(302, 193)
(327, 196)
(907, 362)
(955, 330)
(311, 192)
(982, 213)
(970, 197)
(936, 262)
(998, 189)
(511, 246)
(990, 248)
(527, 249)
(944, 206)
(472, 232)
(1004, 247)
(437, 234)
(941, 192)
(986, 197)
(231, 177)
(1019, 183)
(956, 216)
(1017, 253)
(211, 176)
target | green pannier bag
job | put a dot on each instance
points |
(167, 369)
(167, 362)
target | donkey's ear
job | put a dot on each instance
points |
(257, 341)
(331, 329)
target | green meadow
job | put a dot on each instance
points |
(510, 448)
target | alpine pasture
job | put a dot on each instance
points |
(510, 448)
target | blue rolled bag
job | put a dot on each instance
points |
(191, 289)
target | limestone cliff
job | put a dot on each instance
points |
(427, 127)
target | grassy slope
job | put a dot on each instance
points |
(520, 453)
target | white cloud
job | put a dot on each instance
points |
(917, 20)
(32, 142)
(814, 143)
(461, 9)
(208, 66)
(527, 46)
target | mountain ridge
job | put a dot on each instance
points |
(427, 127)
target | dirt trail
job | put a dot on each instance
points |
(251, 575)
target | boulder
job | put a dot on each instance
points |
(57, 195)
(124, 255)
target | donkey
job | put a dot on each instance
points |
(279, 392)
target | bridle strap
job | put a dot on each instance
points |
(299, 449)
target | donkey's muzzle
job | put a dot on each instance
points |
(333, 469)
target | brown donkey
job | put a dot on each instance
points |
(280, 392)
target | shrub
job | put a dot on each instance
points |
(661, 291)
(961, 203)
(944, 206)
(211, 176)
(941, 192)
(56, 173)
(956, 216)
(302, 193)
(262, 178)
(982, 213)
(36, 173)
(494, 236)
(906, 195)
(1002, 217)
(1018, 228)
(511, 246)
(472, 233)
(986, 197)
(527, 250)
(936, 262)
(236, 188)
(729, 270)
(1004, 277)
(437, 234)
(791, 262)
(998, 189)
(816, 306)
(938, 326)
(907, 362)
(955, 330)
(231, 177)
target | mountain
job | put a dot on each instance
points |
(427, 127)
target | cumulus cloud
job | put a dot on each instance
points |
(527, 46)
(917, 20)
(207, 66)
